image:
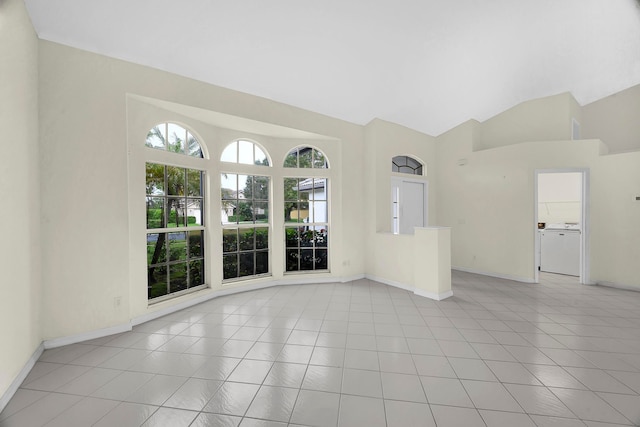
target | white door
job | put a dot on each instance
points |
(409, 205)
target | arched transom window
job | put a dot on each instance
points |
(245, 153)
(173, 138)
(406, 164)
(306, 157)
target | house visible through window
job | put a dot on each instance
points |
(306, 212)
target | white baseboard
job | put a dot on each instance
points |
(352, 278)
(404, 286)
(236, 290)
(618, 286)
(497, 275)
(125, 327)
(17, 382)
(86, 336)
(390, 282)
(434, 296)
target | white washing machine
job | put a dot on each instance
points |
(560, 249)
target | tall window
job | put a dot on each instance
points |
(175, 220)
(245, 213)
(306, 212)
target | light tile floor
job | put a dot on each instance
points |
(499, 353)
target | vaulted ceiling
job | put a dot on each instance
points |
(426, 64)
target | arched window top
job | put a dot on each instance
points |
(246, 153)
(306, 157)
(406, 164)
(173, 138)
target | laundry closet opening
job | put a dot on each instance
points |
(561, 224)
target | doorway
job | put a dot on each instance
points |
(562, 223)
(409, 198)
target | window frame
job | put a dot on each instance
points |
(167, 158)
(315, 173)
(246, 225)
(237, 161)
(417, 171)
(248, 169)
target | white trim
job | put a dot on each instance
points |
(17, 382)
(615, 285)
(498, 275)
(585, 247)
(86, 336)
(309, 281)
(403, 286)
(352, 278)
(393, 283)
(126, 327)
(575, 129)
(585, 222)
(236, 290)
(197, 300)
(431, 295)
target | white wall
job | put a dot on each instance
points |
(559, 198)
(84, 128)
(543, 119)
(384, 140)
(20, 286)
(389, 256)
(488, 202)
(418, 262)
(615, 219)
(614, 120)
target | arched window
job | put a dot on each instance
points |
(175, 221)
(306, 212)
(245, 152)
(173, 138)
(406, 164)
(245, 212)
(306, 157)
